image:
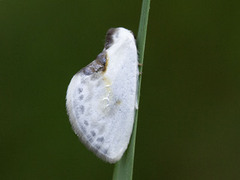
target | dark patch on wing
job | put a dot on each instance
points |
(109, 38)
(77, 114)
(89, 138)
(101, 58)
(100, 63)
(105, 151)
(101, 139)
(83, 129)
(80, 90)
(85, 123)
(81, 97)
(106, 63)
(93, 133)
(97, 146)
(81, 109)
(97, 65)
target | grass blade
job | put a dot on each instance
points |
(123, 169)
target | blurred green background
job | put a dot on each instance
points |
(189, 121)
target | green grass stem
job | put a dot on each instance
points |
(123, 169)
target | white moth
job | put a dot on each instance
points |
(101, 97)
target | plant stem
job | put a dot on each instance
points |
(123, 169)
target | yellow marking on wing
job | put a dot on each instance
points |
(118, 102)
(106, 101)
(106, 64)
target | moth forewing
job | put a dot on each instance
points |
(101, 97)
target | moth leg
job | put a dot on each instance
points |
(140, 65)
(136, 103)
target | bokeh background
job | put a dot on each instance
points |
(189, 121)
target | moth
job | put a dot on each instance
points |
(101, 98)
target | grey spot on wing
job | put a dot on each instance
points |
(95, 76)
(83, 129)
(78, 109)
(101, 139)
(97, 146)
(81, 97)
(105, 151)
(88, 70)
(80, 90)
(81, 107)
(89, 138)
(85, 123)
(93, 133)
(77, 114)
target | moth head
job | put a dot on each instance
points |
(117, 35)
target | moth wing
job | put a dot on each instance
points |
(86, 104)
(101, 104)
